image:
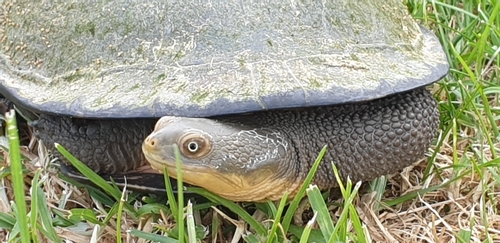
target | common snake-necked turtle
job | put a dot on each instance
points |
(249, 91)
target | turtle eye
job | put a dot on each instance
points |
(194, 145)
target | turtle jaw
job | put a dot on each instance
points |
(260, 187)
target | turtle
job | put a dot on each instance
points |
(248, 92)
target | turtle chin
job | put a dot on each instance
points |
(236, 187)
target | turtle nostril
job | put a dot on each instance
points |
(151, 142)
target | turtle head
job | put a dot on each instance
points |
(238, 162)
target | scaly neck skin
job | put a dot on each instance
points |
(257, 160)
(301, 133)
(365, 140)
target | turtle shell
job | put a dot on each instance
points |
(126, 58)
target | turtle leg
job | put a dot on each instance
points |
(105, 146)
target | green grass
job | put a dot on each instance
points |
(452, 196)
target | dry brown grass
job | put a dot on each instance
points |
(436, 216)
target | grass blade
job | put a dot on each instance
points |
(296, 201)
(318, 204)
(89, 173)
(277, 218)
(180, 194)
(152, 237)
(35, 201)
(307, 230)
(17, 176)
(235, 208)
(190, 223)
(119, 215)
(47, 228)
